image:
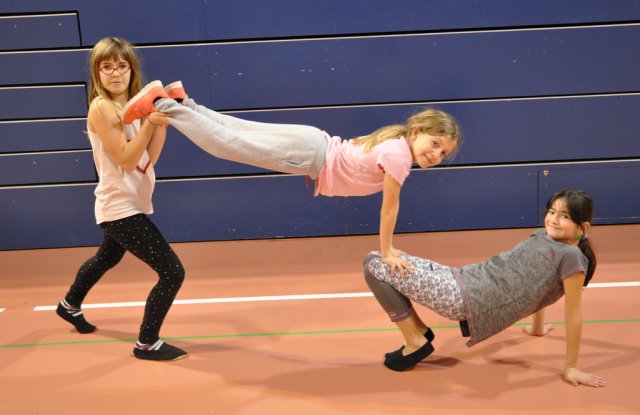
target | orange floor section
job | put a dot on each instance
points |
(308, 356)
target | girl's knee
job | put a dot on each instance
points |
(370, 257)
(108, 260)
(371, 271)
(179, 273)
(172, 272)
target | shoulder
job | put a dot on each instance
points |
(105, 108)
(571, 260)
(98, 108)
(396, 148)
(102, 112)
(539, 232)
(396, 144)
(560, 249)
(573, 250)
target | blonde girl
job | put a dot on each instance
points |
(380, 161)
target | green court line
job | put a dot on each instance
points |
(284, 333)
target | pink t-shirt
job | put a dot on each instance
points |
(350, 172)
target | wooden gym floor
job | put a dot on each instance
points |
(289, 326)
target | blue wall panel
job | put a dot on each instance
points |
(47, 217)
(198, 20)
(615, 188)
(552, 129)
(22, 136)
(468, 198)
(39, 31)
(425, 67)
(42, 102)
(137, 21)
(282, 18)
(44, 67)
(36, 168)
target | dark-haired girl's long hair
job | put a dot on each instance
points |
(580, 207)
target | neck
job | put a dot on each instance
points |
(120, 99)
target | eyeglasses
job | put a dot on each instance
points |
(108, 69)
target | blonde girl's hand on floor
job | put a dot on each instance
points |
(576, 377)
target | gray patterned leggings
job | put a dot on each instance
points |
(431, 285)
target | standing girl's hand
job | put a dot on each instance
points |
(576, 377)
(158, 118)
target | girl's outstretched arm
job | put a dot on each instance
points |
(388, 216)
(573, 318)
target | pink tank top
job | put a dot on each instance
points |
(120, 193)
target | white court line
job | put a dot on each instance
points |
(221, 300)
(2, 309)
(614, 284)
(282, 298)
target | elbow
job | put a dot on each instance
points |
(391, 211)
(129, 167)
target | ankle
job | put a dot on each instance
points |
(423, 327)
(414, 343)
(64, 303)
(148, 346)
(158, 351)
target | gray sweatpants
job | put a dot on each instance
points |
(431, 284)
(286, 148)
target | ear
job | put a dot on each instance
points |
(413, 134)
(586, 226)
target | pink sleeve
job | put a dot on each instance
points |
(394, 157)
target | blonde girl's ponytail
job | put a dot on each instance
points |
(430, 121)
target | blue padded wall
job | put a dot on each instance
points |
(39, 31)
(546, 92)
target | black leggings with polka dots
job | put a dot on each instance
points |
(138, 235)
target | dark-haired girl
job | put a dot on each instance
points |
(490, 296)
